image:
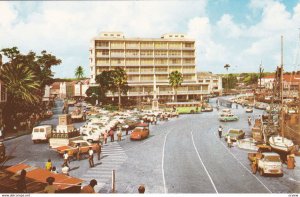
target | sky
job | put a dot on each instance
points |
(239, 33)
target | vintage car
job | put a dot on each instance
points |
(228, 117)
(41, 133)
(249, 109)
(72, 148)
(207, 109)
(48, 114)
(235, 134)
(78, 115)
(141, 131)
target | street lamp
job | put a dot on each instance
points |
(227, 67)
(261, 70)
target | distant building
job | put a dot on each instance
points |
(80, 88)
(290, 84)
(213, 81)
(145, 59)
(68, 89)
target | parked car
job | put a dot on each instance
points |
(207, 109)
(41, 133)
(228, 117)
(249, 109)
(141, 131)
(78, 115)
(267, 163)
(235, 134)
(72, 147)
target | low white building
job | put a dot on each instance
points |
(213, 81)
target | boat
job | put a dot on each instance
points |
(281, 143)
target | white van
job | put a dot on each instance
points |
(41, 133)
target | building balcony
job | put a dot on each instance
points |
(161, 56)
(188, 64)
(188, 56)
(175, 64)
(102, 64)
(133, 72)
(188, 48)
(102, 56)
(146, 56)
(101, 47)
(132, 64)
(117, 64)
(146, 64)
(147, 72)
(174, 56)
(146, 47)
(188, 71)
(117, 46)
(117, 55)
(161, 48)
(132, 56)
(132, 46)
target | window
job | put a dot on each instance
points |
(176, 36)
(105, 35)
(181, 36)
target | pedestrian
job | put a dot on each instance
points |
(98, 150)
(65, 169)
(220, 130)
(90, 187)
(127, 129)
(48, 165)
(236, 106)
(119, 134)
(228, 141)
(155, 120)
(249, 120)
(50, 188)
(141, 189)
(91, 157)
(254, 165)
(105, 135)
(66, 158)
(111, 133)
(21, 183)
(53, 170)
(78, 154)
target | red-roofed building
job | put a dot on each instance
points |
(290, 84)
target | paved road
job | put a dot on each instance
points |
(183, 155)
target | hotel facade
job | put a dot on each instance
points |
(144, 59)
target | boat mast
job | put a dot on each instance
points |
(281, 90)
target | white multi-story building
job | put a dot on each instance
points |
(214, 82)
(142, 58)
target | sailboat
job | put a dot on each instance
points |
(280, 143)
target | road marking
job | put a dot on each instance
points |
(203, 164)
(243, 165)
(162, 165)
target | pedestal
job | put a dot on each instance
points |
(155, 104)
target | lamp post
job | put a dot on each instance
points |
(227, 67)
(261, 70)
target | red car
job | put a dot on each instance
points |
(140, 132)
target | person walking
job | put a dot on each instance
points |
(65, 170)
(21, 183)
(228, 141)
(91, 157)
(127, 129)
(254, 165)
(90, 187)
(220, 130)
(98, 150)
(119, 134)
(48, 165)
(50, 188)
(66, 158)
(105, 135)
(249, 120)
(78, 154)
(111, 133)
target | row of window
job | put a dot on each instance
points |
(118, 44)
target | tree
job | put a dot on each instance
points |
(120, 82)
(175, 80)
(79, 72)
(25, 77)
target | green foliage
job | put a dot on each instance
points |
(79, 72)
(175, 80)
(229, 81)
(25, 77)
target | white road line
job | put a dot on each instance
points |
(204, 165)
(243, 165)
(162, 165)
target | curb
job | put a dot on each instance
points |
(13, 137)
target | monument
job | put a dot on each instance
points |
(155, 104)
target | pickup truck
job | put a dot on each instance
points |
(267, 163)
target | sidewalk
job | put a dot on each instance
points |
(11, 135)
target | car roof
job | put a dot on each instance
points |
(42, 126)
(270, 154)
(79, 141)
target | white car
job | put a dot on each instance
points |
(41, 133)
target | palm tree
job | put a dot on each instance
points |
(79, 72)
(175, 80)
(20, 82)
(226, 66)
(120, 82)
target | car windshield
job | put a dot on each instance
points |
(272, 158)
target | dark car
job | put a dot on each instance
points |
(235, 134)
